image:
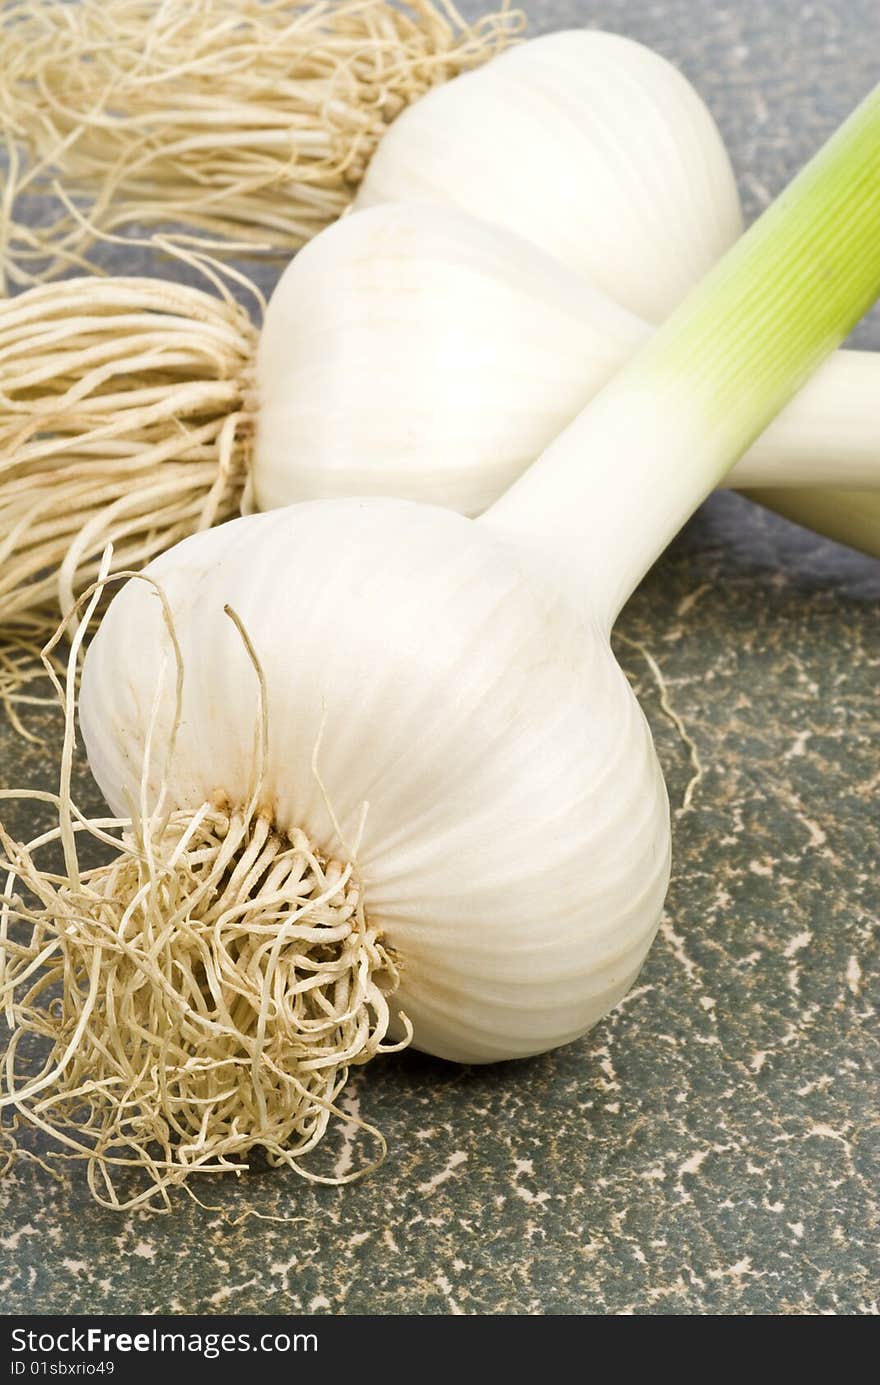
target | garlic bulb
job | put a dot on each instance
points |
(455, 675)
(369, 742)
(401, 642)
(589, 145)
(414, 351)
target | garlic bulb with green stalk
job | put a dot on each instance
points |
(370, 743)
(411, 350)
(600, 152)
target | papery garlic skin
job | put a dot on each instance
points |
(515, 852)
(416, 352)
(586, 143)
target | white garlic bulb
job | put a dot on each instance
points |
(515, 852)
(412, 351)
(589, 145)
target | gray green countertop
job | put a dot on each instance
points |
(712, 1146)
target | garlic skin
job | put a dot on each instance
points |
(416, 352)
(587, 144)
(515, 852)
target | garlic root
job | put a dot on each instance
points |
(246, 121)
(202, 996)
(126, 416)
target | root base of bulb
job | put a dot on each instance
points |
(202, 996)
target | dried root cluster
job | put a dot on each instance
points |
(251, 120)
(200, 997)
(126, 416)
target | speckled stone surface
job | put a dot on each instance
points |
(712, 1147)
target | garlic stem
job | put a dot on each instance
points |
(829, 435)
(847, 516)
(668, 427)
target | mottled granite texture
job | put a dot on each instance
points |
(712, 1147)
